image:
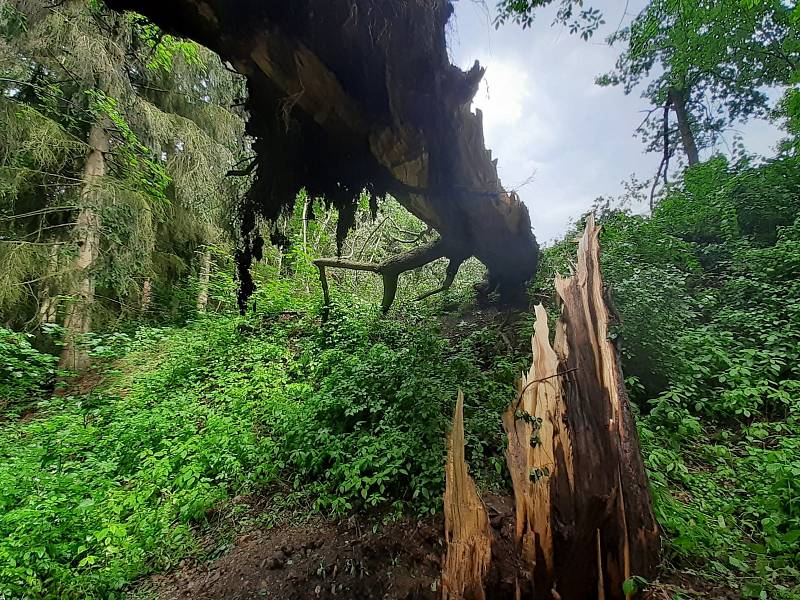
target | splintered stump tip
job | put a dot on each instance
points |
(467, 530)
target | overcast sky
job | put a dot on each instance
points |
(544, 116)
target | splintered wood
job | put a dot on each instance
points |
(583, 511)
(466, 523)
(536, 437)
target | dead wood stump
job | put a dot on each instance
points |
(584, 521)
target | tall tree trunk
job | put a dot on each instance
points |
(48, 301)
(205, 276)
(678, 98)
(86, 235)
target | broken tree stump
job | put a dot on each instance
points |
(466, 523)
(584, 520)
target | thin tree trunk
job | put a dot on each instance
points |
(78, 319)
(147, 294)
(305, 224)
(48, 302)
(305, 236)
(205, 275)
(678, 98)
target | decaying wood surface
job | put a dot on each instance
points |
(466, 522)
(348, 95)
(588, 523)
(583, 510)
(537, 444)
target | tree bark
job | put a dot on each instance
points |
(48, 302)
(390, 269)
(678, 100)
(205, 276)
(86, 236)
(147, 295)
(353, 94)
(582, 492)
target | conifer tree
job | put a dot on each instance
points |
(117, 140)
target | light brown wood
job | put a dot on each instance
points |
(584, 520)
(204, 279)
(583, 512)
(467, 531)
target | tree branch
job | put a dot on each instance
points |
(450, 276)
(390, 269)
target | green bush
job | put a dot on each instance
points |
(25, 373)
(100, 489)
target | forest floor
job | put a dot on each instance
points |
(351, 559)
(237, 458)
(319, 559)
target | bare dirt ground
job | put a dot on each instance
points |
(316, 560)
(323, 559)
(348, 560)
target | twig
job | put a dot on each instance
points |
(530, 383)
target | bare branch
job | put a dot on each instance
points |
(450, 277)
(242, 172)
(390, 269)
(39, 212)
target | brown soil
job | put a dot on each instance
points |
(317, 560)
(336, 560)
(347, 560)
(690, 586)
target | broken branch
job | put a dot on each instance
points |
(390, 269)
(450, 276)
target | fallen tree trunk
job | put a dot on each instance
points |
(583, 510)
(347, 95)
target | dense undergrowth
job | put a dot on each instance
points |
(101, 488)
(106, 482)
(708, 293)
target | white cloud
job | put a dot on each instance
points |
(544, 115)
(503, 94)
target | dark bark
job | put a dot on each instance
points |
(354, 94)
(678, 99)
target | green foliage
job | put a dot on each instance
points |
(148, 175)
(164, 108)
(707, 294)
(25, 373)
(580, 20)
(114, 480)
(163, 48)
(99, 489)
(720, 55)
